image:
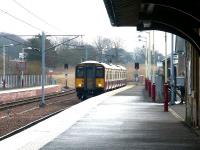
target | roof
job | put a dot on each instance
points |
(178, 17)
(122, 67)
(90, 62)
(111, 66)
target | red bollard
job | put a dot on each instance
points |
(153, 92)
(149, 88)
(145, 83)
(165, 90)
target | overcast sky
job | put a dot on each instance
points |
(87, 17)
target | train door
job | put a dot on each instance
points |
(90, 77)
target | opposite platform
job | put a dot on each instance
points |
(22, 93)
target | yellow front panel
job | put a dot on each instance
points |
(100, 82)
(79, 83)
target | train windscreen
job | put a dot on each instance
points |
(80, 72)
(99, 72)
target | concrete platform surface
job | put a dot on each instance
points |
(125, 121)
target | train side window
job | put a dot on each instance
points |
(117, 75)
(80, 72)
(112, 74)
(106, 74)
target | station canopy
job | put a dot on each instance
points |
(180, 17)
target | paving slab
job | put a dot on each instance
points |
(127, 121)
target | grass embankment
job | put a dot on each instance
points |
(61, 78)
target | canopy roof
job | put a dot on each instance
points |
(180, 17)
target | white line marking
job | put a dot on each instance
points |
(175, 114)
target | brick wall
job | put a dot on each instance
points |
(12, 95)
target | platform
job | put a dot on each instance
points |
(120, 119)
(21, 93)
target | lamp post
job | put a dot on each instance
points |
(173, 96)
(165, 86)
(23, 56)
(146, 54)
(4, 64)
(149, 64)
(43, 38)
(153, 78)
(146, 60)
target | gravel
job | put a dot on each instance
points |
(20, 116)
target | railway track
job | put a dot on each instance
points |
(18, 122)
(29, 125)
(16, 103)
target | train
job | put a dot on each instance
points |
(93, 78)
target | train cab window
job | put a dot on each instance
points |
(80, 72)
(90, 72)
(99, 72)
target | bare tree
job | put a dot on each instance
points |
(102, 45)
(139, 55)
(117, 44)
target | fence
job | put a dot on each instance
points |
(16, 81)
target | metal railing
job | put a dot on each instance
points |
(16, 81)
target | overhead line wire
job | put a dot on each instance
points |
(39, 18)
(20, 20)
(20, 43)
(46, 49)
(61, 43)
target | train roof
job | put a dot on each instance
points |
(122, 67)
(111, 66)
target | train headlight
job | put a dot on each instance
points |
(99, 85)
(79, 85)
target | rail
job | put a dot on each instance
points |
(16, 103)
(29, 125)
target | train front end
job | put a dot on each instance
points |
(89, 79)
